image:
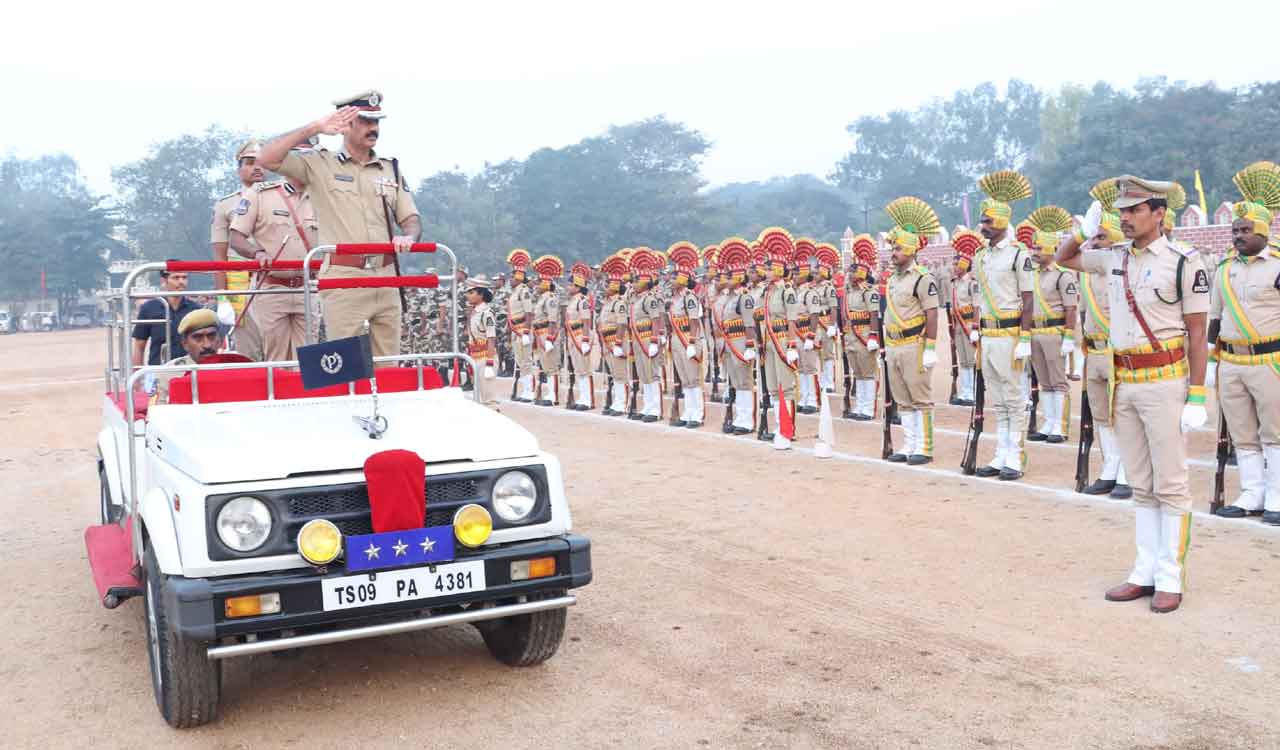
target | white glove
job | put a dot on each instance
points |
(873, 345)
(1193, 416)
(526, 339)
(929, 358)
(974, 336)
(653, 349)
(226, 314)
(1022, 350)
(1211, 374)
(1092, 220)
(1068, 345)
(749, 354)
(831, 332)
(808, 345)
(690, 351)
(547, 345)
(792, 355)
(489, 373)
(585, 346)
(662, 339)
(617, 351)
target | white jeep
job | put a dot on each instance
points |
(241, 514)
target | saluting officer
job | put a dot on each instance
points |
(1159, 304)
(482, 336)
(911, 327)
(358, 196)
(1244, 321)
(1006, 280)
(246, 338)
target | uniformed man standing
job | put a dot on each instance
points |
(482, 337)
(519, 320)
(911, 327)
(612, 328)
(1006, 281)
(781, 314)
(828, 333)
(579, 331)
(1054, 321)
(358, 197)
(684, 317)
(860, 319)
(277, 224)
(1099, 380)
(1159, 303)
(964, 297)
(547, 338)
(646, 328)
(733, 318)
(1244, 323)
(246, 338)
(807, 325)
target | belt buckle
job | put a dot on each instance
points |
(1127, 362)
(372, 262)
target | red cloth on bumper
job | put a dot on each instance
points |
(396, 481)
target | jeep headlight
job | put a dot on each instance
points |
(244, 523)
(514, 495)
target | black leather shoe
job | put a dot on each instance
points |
(807, 409)
(1231, 511)
(693, 425)
(1271, 517)
(897, 458)
(637, 416)
(543, 402)
(1101, 487)
(649, 418)
(1055, 439)
(848, 414)
(1121, 492)
(966, 402)
(581, 407)
(727, 429)
(767, 437)
(677, 423)
(986, 471)
(1036, 437)
(896, 420)
(956, 401)
(741, 431)
(1009, 475)
(917, 459)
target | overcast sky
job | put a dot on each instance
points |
(772, 84)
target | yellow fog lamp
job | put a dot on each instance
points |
(472, 525)
(319, 541)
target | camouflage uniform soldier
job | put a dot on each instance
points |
(546, 328)
(519, 322)
(861, 325)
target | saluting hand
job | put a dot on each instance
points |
(337, 121)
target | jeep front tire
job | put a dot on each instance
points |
(187, 683)
(526, 640)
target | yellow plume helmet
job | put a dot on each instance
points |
(1259, 185)
(1050, 219)
(1175, 201)
(1002, 188)
(1105, 192)
(1111, 224)
(914, 221)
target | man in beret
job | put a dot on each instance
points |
(199, 335)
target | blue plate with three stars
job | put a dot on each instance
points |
(398, 549)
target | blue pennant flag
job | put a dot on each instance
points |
(335, 362)
(393, 549)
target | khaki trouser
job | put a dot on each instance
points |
(282, 322)
(549, 361)
(689, 370)
(777, 370)
(908, 379)
(247, 336)
(647, 368)
(1003, 381)
(619, 368)
(522, 353)
(830, 347)
(966, 354)
(1097, 371)
(1249, 396)
(1046, 358)
(581, 362)
(862, 362)
(347, 310)
(737, 372)
(809, 360)
(486, 387)
(1148, 422)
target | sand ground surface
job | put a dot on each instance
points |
(743, 597)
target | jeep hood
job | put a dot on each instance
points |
(260, 440)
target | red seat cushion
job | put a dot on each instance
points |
(140, 403)
(224, 386)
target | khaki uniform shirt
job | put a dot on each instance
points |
(228, 207)
(646, 307)
(578, 316)
(482, 327)
(860, 298)
(911, 293)
(684, 308)
(1152, 277)
(269, 221)
(1097, 294)
(613, 321)
(520, 308)
(782, 306)
(547, 311)
(348, 197)
(162, 379)
(756, 293)
(1256, 284)
(1006, 270)
(1057, 291)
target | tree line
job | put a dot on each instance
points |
(641, 183)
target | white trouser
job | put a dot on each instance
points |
(966, 383)
(909, 430)
(526, 386)
(806, 390)
(829, 374)
(1253, 484)
(743, 416)
(1002, 443)
(1112, 469)
(652, 399)
(866, 393)
(1272, 502)
(692, 405)
(1048, 405)
(1162, 540)
(1013, 450)
(583, 385)
(619, 396)
(549, 390)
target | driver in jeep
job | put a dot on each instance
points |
(199, 338)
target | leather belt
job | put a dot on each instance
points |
(1049, 322)
(1001, 322)
(1097, 346)
(1266, 347)
(293, 282)
(1162, 358)
(358, 261)
(906, 333)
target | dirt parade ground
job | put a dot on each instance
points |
(742, 598)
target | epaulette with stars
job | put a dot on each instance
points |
(262, 187)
